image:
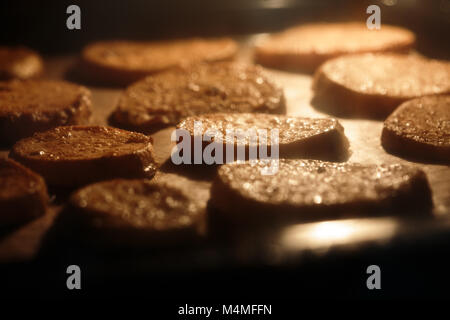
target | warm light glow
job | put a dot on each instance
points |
(389, 2)
(338, 232)
(330, 230)
(275, 4)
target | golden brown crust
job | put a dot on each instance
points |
(124, 62)
(306, 47)
(164, 99)
(419, 129)
(314, 190)
(167, 209)
(76, 155)
(32, 106)
(23, 193)
(372, 86)
(19, 63)
(298, 137)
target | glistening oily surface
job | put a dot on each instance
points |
(164, 99)
(364, 136)
(79, 142)
(310, 182)
(31, 106)
(425, 120)
(391, 75)
(43, 96)
(290, 128)
(160, 204)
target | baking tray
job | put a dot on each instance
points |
(292, 245)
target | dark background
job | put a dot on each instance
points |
(42, 24)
